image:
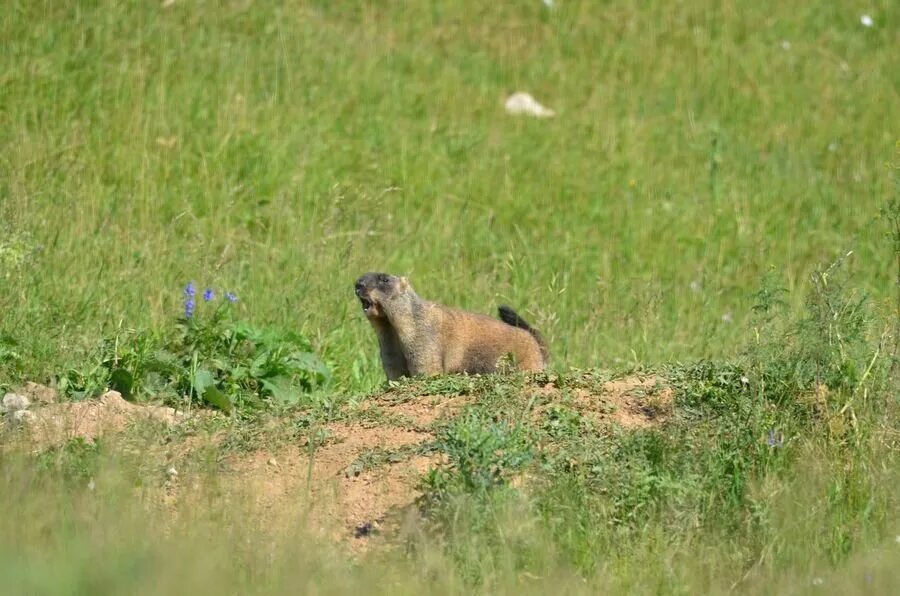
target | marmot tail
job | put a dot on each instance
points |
(511, 317)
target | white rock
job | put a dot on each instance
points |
(171, 472)
(13, 402)
(866, 20)
(524, 103)
(22, 416)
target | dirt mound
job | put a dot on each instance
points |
(353, 478)
(631, 402)
(356, 482)
(421, 411)
(364, 476)
(339, 497)
(55, 423)
(39, 394)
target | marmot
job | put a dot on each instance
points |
(418, 337)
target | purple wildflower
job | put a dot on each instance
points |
(189, 290)
(208, 295)
(189, 308)
(230, 297)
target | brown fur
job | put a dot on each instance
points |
(418, 337)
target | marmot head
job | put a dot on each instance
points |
(377, 290)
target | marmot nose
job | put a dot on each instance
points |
(359, 288)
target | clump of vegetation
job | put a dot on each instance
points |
(14, 253)
(75, 462)
(208, 357)
(482, 452)
(697, 476)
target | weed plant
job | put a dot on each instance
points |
(208, 357)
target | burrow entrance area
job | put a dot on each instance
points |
(351, 479)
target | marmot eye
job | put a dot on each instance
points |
(383, 278)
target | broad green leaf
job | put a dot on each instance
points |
(203, 379)
(213, 396)
(282, 390)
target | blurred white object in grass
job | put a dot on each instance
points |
(13, 402)
(524, 103)
(22, 417)
(866, 20)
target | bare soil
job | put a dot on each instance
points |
(55, 422)
(359, 479)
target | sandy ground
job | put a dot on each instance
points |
(359, 479)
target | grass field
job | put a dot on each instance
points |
(701, 151)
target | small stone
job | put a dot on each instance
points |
(91, 485)
(272, 462)
(22, 416)
(13, 402)
(817, 581)
(363, 530)
(524, 103)
(172, 472)
(866, 20)
(112, 398)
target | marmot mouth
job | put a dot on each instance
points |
(366, 304)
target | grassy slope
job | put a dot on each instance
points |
(281, 150)
(697, 502)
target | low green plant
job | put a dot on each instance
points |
(482, 452)
(734, 427)
(9, 351)
(208, 357)
(75, 461)
(14, 253)
(891, 214)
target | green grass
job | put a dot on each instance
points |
(281, 150)
(278, 150)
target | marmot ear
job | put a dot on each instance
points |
(404, 283)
